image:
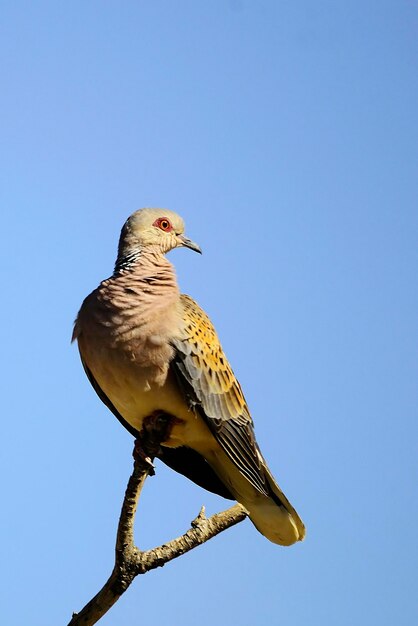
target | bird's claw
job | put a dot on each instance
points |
(140, 455)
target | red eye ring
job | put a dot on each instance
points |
(164, 224)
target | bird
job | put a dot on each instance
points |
(150, 351)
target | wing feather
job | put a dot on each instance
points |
(209, 384)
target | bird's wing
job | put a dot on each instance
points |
(206, 378)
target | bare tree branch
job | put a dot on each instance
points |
(129, 560)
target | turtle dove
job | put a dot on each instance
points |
(148, 350)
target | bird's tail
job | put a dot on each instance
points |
(273, 515)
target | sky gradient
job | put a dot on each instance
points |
(285, 134)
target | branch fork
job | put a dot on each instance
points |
(130, 561)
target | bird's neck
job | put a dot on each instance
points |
(126, 261)
(135, 260)
(140, 269)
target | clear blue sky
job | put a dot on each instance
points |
(285, 133)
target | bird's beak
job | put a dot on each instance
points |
(188, 243)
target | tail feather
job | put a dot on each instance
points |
(272, 514)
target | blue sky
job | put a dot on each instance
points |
(285, 134)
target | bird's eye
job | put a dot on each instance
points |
(164, 224)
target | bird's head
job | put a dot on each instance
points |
(160, 229)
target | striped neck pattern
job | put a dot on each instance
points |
(126, 262)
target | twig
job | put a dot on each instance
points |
(129, 560)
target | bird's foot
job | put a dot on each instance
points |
(141, 456)
(158, 425)
(155, 429)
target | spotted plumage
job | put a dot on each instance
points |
(211, 386)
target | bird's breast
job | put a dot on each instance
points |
(136, 378)
(126, 341)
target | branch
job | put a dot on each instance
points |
(129, 560)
